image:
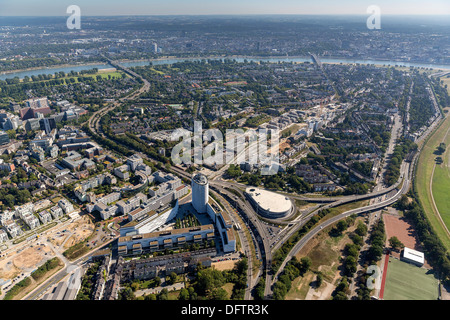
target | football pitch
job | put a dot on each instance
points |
(408, 282)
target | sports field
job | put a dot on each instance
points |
(408, 282)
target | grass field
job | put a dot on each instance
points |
(112, 74)
(446, 80)
(441, 190)
(423, 177)
(228, 287)
(441, 184)
(408, 282)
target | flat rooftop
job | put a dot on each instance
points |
(165, 233)
(414, 255)
(269, 201)
(200, 178)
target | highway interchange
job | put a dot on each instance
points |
(235, 201)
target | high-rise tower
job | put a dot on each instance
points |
(200, 192)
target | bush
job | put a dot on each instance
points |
(18, 287)
(47, 266)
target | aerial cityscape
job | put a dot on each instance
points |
(208, 153)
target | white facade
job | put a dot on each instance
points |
(12, 228)
(66, 206)
(3, 236)
(224, 227)
(134, 161)
(31, 221)
(149, 223)
(200, 192)
(45, 216)
(413, 256)
(269, 204)
(122, 172)
(56, 212)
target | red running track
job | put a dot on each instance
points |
(383, 281)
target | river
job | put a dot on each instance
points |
(67, 69)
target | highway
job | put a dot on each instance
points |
(406, 177)
(261, 235)
(406, 183)
(256, 226)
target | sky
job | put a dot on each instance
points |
(205, 7)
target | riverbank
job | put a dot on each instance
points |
(56, 66)
(171, 59)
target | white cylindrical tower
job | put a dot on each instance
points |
(200, 192)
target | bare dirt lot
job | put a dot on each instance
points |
(400, 228)
(25, 261)
(31, 257)
(77, 231)
(224, 265)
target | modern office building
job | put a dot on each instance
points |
(157, 241)
(200, 192)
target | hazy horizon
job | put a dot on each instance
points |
(53, 8)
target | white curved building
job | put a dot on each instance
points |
(269, 204)
(200, 192)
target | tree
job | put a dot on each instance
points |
(395, 243)
(319, 280)
(172, 278)
(340, 296)
(219, 294)
(305, 264)
(351, 250)
(259, 289)
(184, 294)
(361, 229)
(208, 279)
(342, 226)
(375, 252)
(163, 295)
(135, 286)
(279, 290)
(350, 265)
(150, 296)
(127, 294)
(441, 148)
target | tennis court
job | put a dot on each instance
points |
(408, 282)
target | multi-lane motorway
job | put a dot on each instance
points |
(263, 245)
